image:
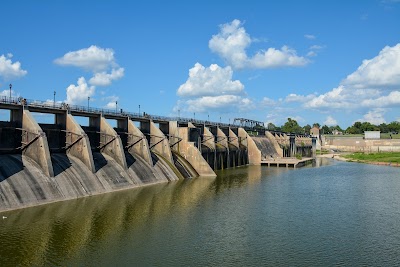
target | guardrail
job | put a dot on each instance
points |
(115, 112)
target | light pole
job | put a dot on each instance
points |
(194, 115)
(88, 99)
(139, 110)
(10, 90)
(54, 99)
(208, 117)
(116, 106)
(179, 114)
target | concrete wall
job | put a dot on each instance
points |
(37, 150)
(254, 154)
(141, 147)
(358, 144)
(275, 143)
(80, 149)
(222, 139)
(208, 138)
(114, 147)
(159, 143)
(191, 153)
(233, 139)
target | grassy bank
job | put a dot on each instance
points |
(389, 157)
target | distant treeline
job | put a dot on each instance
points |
(291, 126)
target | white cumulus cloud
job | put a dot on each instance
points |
(231, 44)
(309, 36)
(112, 101)
(210, 81)
(92, 58)
(225, 103)
(330, 121)
(80, 92)
(382, 71)
(105, 79)
(10, 70)
(392, 99)
(298, 98)
(375, 116)
(100, 61)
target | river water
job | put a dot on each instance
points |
(335, 214)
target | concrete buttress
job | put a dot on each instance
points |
(189, 151)
(137, 143)
(35, 145)
(254, 154)
(111, 143)
(78, 144)
(275, 143)
(159, 143)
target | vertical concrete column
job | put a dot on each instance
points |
(159, 143)
(254, 154)
(37, 147)
(174, 134)
(292, 145)
(16, 116)
(113, 144)
(80, 144)
(123, 124)
(140, 147)
(314, 146)
(222, 141)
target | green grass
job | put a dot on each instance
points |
(323, 152)
(393, 157)
(387, 136)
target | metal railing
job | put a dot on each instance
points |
(114, 112)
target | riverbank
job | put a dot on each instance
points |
(382, 158)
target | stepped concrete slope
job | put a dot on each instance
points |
(23, 184)
(266, 147)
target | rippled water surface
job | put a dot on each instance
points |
(336, 214)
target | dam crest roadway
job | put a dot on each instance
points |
(43, 162)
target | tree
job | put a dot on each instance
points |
(394, 126)
(316, 124)
(325, 130)
(291, 126)
(271, 126)
(383, 127)
(307, 129)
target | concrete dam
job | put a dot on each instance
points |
(42, 163)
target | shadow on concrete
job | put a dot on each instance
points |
(129, 159)
(60, 163)
(10, 165)
(99, 160)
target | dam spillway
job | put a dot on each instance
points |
(46, 162)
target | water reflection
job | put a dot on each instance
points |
(337, 213)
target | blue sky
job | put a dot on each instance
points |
(331, 62)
